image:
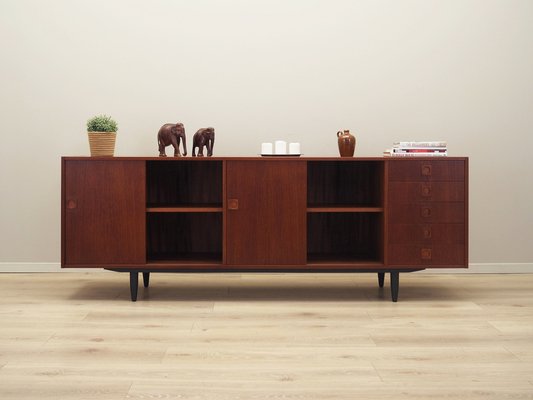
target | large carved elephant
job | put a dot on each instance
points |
(204, 137)
(170, 134)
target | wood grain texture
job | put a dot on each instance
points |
(184, 182)
(265, 336)
(355, 184)
(267, 220)
(103, 212)
(427, 213)
(254, 212)
(406, 192)
(427, 170)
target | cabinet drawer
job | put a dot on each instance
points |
(430, 170)
(427, 234)
(420, 213)
(408, 192)
(435, 255)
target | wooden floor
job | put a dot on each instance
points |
(273, 336)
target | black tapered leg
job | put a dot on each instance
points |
(146, 279)
(381, 279)
(394, 285)
(134, 284)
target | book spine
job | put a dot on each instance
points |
(418, 150)
(439, 154)
(421, 144)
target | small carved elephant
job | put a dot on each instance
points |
(203, 137)
(170, 134)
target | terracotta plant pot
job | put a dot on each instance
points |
(102, 144)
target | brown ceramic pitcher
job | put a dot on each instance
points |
(346, 143)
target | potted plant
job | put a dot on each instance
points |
(102, 131)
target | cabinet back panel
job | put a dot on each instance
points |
(344, 236)
(182, 183)
(357, 183)
(175, 236)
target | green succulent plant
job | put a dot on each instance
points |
(102, 123)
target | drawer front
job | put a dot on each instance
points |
(408, 192)
(427, 234)
(420, 213)
(431, 255)
(426, 170)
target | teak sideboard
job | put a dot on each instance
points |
(264, 214)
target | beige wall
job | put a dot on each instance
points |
(460, 71)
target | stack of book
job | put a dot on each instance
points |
(418, 149)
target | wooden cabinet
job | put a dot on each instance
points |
(427, 213)
(264, 214)
(103, 213)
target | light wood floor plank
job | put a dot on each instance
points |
(266, 336)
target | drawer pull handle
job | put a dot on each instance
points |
(426, 190)
(233, 204)
(426, 170)
(425, 254)
(425, 212)
(427, 233)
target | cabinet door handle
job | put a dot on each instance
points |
(425, 212)
(233, 204)
(72, 204)
(426, 170)
(425, 254)
(425, 190)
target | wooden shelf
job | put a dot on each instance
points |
(343, 209)
(183, 209)
(339, 260)
(205, 260)
(335, 264)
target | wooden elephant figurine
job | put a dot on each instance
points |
(170, 134)
(204, 137)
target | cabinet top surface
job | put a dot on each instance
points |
(256, 158)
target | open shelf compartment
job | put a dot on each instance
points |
(184, 237)
(183, 184)
(344, 184)
(345, 238)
